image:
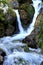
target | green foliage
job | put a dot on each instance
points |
(40, 36)
(4, 2)
(11, 12)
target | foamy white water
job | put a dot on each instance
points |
(19, 22)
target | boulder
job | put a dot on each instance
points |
(35, 39)
(2, 55)
(14, 4)
(41, 63)
(12, 24)
(31, 40)
(26, 14)
(24, 19)
(8, 23)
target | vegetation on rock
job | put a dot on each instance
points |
(26, 14)
(40, 35)
(2, 55)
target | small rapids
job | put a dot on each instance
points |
(14, 49)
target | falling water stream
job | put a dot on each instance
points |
(14, 49)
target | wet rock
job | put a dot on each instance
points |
(24, 1)
(38, 19)
(31, 40)
(40, 35)
(2, 55)
(9, 30)
(34, 40)
(24, 19)
(1, 60)
(41, 63)
(26, 14)
(14, 4)
(2, 30)
(8, 24)
(12, 24)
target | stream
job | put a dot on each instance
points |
(14, 49)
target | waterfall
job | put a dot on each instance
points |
(23, 34)
(15, 49)
(37, 4)
(19, 22)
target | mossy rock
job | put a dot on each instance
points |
(1, 29)
(11, 12)
(28, 8)
(26, 13)
(41, 63)
(2, 15)
(10, 16)
(40, 35)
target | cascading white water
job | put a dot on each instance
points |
(19, 22)
(15, 50)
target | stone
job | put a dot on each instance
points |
(31, 40)
(2, 30)
(24, 19)
(1, 59)
(8, 24)
(14, 4)
(9, 30)
(41, 63)
(26, 15)
(2, 55)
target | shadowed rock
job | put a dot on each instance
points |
(2, 55)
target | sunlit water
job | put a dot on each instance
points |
(15, 49)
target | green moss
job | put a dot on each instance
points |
(40, 35)
(2, 15)
(11, 12)
(26, 49)
(4, 2)
(29, 9)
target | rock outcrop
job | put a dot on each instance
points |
(8, 23)
(2, 55)
(26, 14)
(32, 40)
